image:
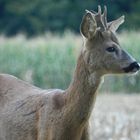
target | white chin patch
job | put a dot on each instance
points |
(94, 78)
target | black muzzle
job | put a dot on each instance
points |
(133, 67)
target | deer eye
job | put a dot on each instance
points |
(111, 49)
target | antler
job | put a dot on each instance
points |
(100, 18)
(104, 17)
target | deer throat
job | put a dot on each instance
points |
(81, 93)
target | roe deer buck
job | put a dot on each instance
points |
(29, 113)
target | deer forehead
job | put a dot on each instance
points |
(110, 37)
(107, 38)
(101, 40)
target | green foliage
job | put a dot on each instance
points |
(45, 62)
(38, 16)
(49, 61)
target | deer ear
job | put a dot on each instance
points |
(88, 25)
(114, 25)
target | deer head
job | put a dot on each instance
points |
(102, 51)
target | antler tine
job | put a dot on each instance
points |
(87, 11)
(93, 12)
(105, 17)
(99, 10)
(99, 19)
(105, 10)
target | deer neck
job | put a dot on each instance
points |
(81, 93)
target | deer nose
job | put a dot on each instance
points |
(133, 67)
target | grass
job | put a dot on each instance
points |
(44, 61)
(49, 61)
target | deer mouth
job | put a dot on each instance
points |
(132, 68)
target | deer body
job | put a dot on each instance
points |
(28, 112)
(50, 112)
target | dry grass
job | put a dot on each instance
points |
(116, 117)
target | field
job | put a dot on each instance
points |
(116, 117)
(36, 60)
(49, 61)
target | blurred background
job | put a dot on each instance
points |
(41, 38)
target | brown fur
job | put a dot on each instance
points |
(28, 112)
